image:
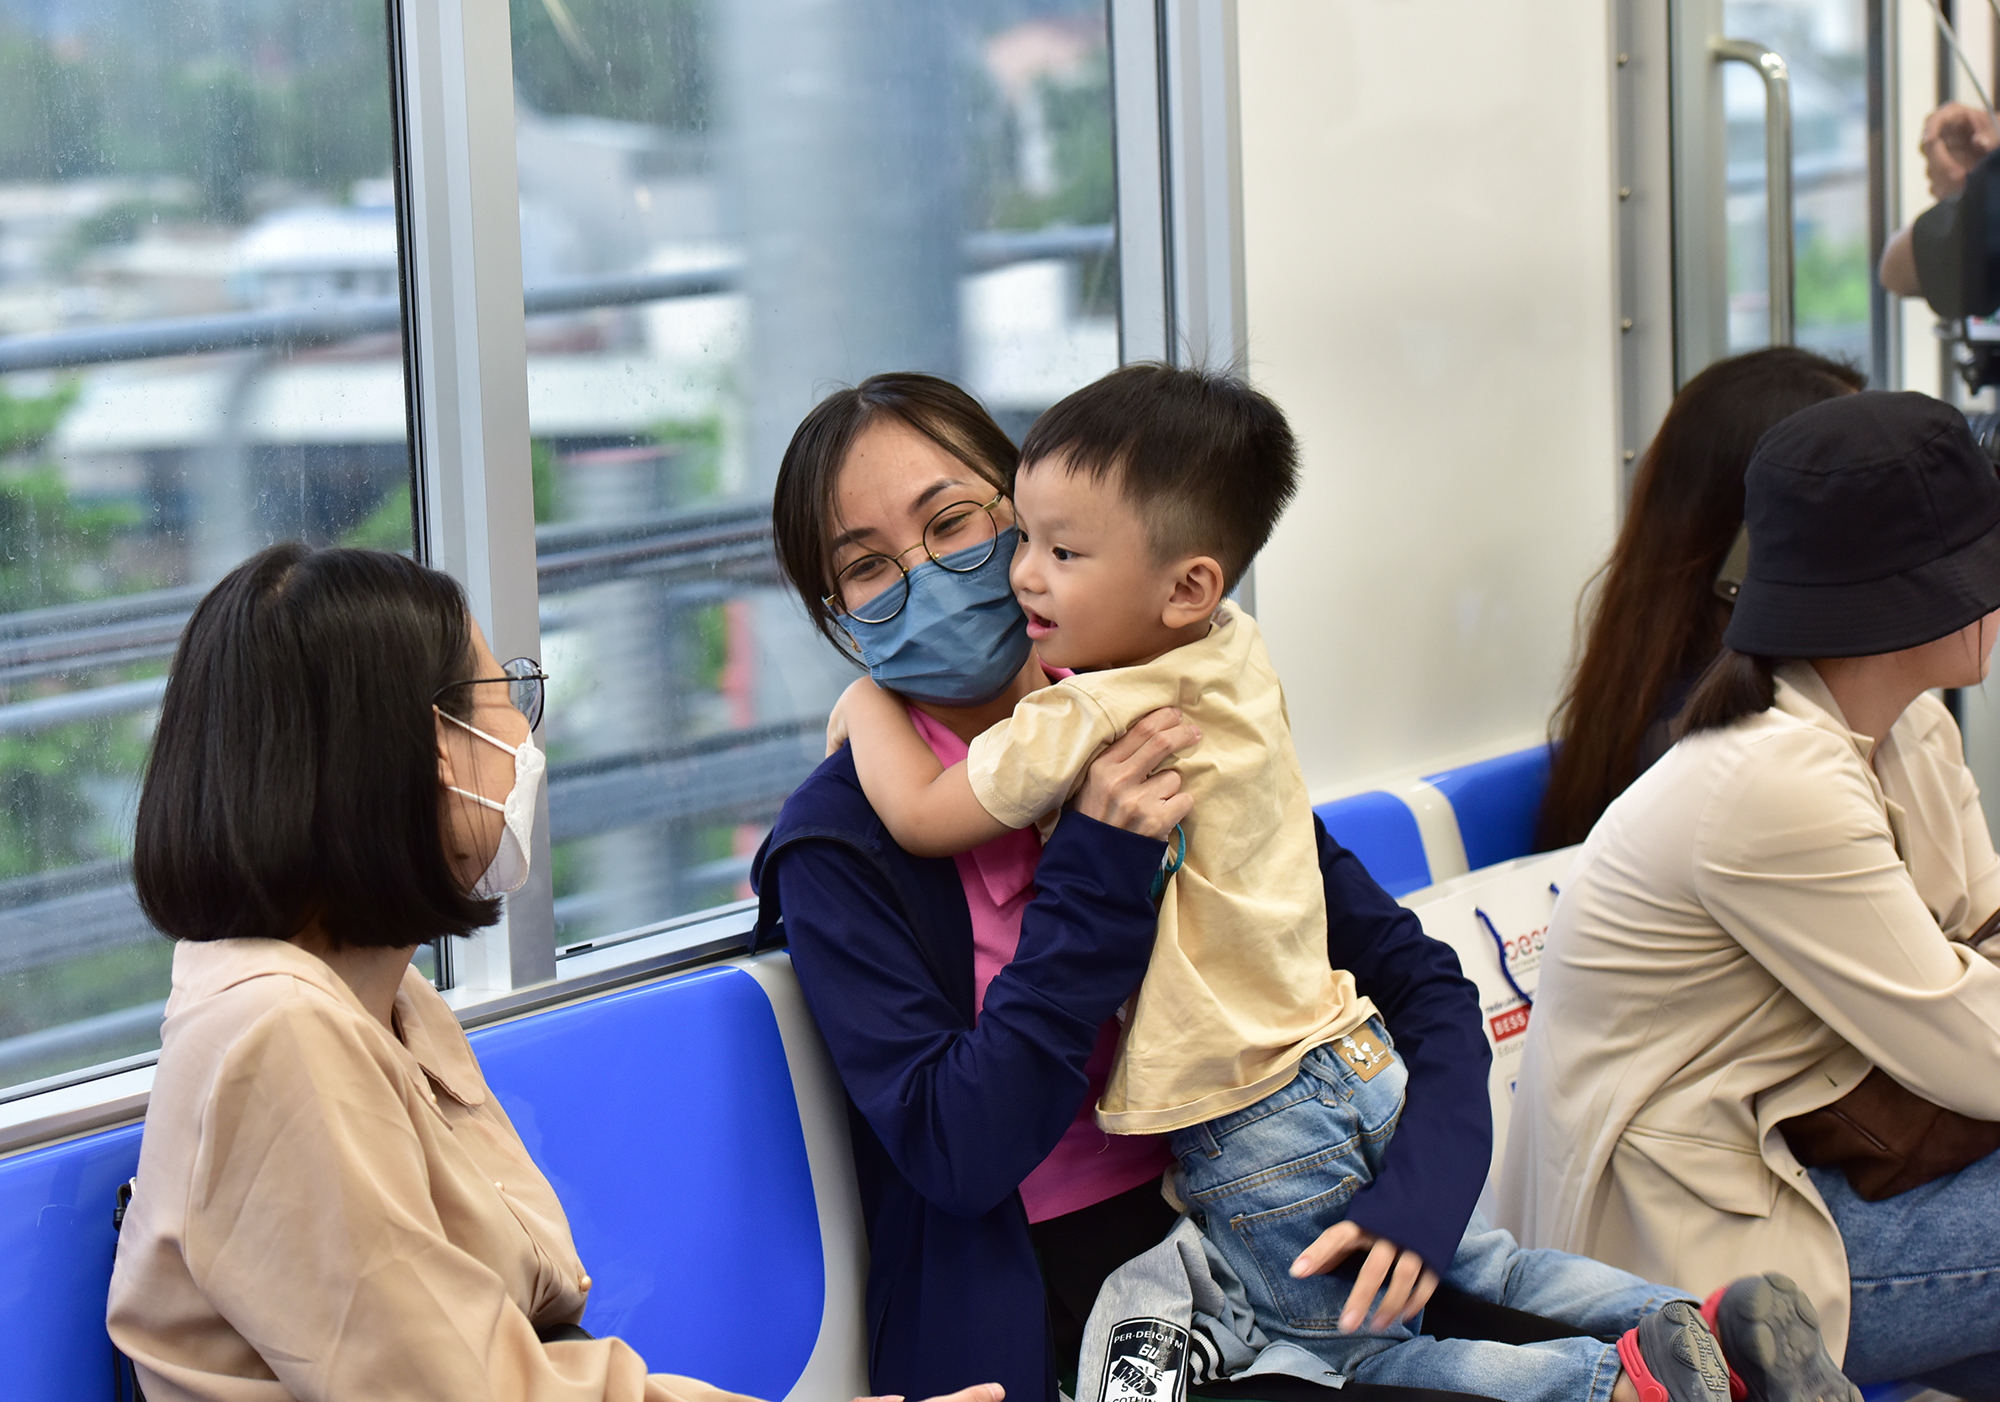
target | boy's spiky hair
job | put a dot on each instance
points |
(1209, 463)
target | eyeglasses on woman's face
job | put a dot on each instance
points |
(961, 537)
(523, 677)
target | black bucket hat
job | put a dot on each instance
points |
(1874, 526)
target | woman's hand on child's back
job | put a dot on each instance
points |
(1121, 787)
(1401, 1277)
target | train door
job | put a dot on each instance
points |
(1785, 134)
(1774, 130)
(1789, 133)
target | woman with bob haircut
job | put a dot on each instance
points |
(1657, 614)
(1768, 1024)
(331, 1204)
(970, 1003)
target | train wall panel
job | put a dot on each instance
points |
(1429, 236)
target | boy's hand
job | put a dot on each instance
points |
(860, 692)
(1408, 1285)
(1120, 787)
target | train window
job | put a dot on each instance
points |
(725, 211)
(200, 353)
(1824, 45)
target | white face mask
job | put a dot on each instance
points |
(508, 871)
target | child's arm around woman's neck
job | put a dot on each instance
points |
(930, 810)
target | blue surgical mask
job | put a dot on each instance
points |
(959, 638)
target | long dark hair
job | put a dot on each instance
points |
(1653, 618)
(802, 505)
(294, 773)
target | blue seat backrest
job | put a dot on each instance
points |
(665, 1117)
(56, 1244)
(1379, 828)
(1496, 802)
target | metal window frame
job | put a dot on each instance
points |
(467, 365)
(1885, 321)
(1179, 174)
(1178, 149)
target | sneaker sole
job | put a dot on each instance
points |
(1770, 1333)
(1702, 1376)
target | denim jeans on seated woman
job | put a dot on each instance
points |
(1268, 1179)
(1925, 1267)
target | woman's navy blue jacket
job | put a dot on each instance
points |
(949, 1117)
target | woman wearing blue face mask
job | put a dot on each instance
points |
(969, 1003)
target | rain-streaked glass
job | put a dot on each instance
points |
(162, 160)
(828, 191)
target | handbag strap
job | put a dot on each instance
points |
(124, 1372)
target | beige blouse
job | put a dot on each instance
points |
(325, 1211)
(1762, 917)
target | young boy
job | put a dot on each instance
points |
(1141, 500)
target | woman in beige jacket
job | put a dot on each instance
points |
(330, 1202)
(1793, 896)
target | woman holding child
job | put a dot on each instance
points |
(1295, 1034)
(1768, 1024)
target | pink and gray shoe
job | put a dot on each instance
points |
(1770, 1337)
(1672, 1357)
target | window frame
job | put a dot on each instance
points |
(1179, 250)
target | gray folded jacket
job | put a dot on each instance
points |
(1176, 1317)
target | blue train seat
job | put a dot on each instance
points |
(668, 1116)
(664, 1117)
(56, 1238)
(1379, 828)
(1496, 802)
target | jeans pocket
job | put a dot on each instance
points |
(1272, 1239)
(1280, 1180)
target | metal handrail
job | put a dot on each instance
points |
(283, 328)
(1782, 261)
(726, 540)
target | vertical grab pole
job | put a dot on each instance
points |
(1778, 173)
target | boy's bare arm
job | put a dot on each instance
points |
(930, 810)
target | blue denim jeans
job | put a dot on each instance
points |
(1926, 1271)
(1265, 1181)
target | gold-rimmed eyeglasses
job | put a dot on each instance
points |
(961, 537)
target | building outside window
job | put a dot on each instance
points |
(725, 211)
(174, 176)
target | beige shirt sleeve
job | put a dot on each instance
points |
(310, 1229)
(1029, 764)
(1795, 859)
